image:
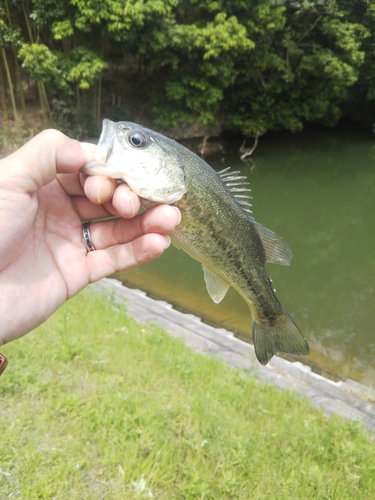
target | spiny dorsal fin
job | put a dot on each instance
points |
(238, 186)
(276, 249)
(216, 287)
(226, 171)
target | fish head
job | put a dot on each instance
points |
(147, 161)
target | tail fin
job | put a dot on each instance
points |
(284, 336)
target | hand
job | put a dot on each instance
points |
(43, 201)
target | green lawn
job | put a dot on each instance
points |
(96, 406)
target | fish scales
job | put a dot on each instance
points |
(207, 210)
(214, 229)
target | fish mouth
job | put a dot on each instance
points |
(106, 140)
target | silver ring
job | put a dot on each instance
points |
(87, 237)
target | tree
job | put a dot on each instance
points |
(251, 66)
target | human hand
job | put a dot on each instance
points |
(43, 201)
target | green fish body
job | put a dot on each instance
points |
(216, 227)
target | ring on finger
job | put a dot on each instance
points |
(87, 237)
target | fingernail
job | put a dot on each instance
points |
(105, 191)
(128, 197)
(168, 242)
(89, 146)
(179, 215)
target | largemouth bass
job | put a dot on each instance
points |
(216, 226)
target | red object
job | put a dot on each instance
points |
(3, 363)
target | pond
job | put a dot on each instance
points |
(316, 189)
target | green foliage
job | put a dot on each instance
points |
(252, 66)
(94, 405)
(62, 29)
(301, 71)
(42, 64)
(8, 35)
(85, 67)
(56, 69)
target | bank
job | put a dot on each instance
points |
(348, 398)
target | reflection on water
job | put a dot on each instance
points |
(315, 189)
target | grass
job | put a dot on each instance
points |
(96, 406)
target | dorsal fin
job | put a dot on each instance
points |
(276, 249)
(226, 171)
(238, 186)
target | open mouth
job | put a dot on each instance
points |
(106, 141)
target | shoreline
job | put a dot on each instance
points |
(348, 398)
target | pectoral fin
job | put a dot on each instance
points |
(174, 242)
(216, 287)
(275, 248)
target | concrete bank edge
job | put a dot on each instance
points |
(347, 398)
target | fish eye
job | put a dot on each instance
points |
(137, 139)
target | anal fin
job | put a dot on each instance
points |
(216, 287)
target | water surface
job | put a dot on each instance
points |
(316, 189)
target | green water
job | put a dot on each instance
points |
(316, 189)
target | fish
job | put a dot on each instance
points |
(217, 227)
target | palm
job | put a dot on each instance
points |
(47, 251)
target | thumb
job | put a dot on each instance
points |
(37, 162)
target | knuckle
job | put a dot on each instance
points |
(51, 135)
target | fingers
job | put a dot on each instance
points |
(37, 162)
(98, 189)
(161, 219)
(51, 153)
(103, 263)
(125, 202)
(124, 243)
